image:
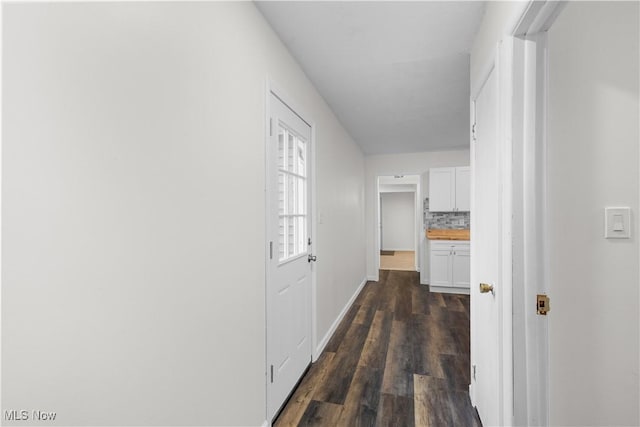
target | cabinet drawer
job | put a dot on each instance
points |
(447, 244)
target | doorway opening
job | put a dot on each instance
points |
(398, 222)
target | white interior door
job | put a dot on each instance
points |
(288, 250)
(485, 254)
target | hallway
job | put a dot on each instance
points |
(399, 357)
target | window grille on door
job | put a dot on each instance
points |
(292, 194)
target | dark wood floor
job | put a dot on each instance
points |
(400, 357)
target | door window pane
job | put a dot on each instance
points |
(302, 233)
(281, 193)
(301, 197)
(291, 236)
(291, 151)
(292, 194)
(281, 238)
(282, 138)
(301, 166)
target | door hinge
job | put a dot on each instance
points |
(474, 372)
(270, 126)
(272, 373)
(270, 250)
(542, 304)
(473, 132)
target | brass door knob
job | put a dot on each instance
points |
(486, 288)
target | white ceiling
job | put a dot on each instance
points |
(395, 73)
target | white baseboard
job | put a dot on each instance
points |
(448, 290)
(323, 342)
(266, 424)
(373, 278)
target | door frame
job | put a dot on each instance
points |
(522, 114)
(273, 88)
(418, 241)
(530, 247)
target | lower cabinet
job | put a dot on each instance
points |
(450, 266)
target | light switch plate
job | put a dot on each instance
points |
(617, 223)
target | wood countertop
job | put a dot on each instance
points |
(437, 234)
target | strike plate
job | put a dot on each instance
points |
(542, 304)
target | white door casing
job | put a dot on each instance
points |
(530, 257)
(419, 232)
(288, 287)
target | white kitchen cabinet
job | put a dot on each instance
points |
(442, 183)
(461, 266)
(463, 189)
(449, 189)
(450, 266)
(441, 267)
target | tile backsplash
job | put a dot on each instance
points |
(444, 220)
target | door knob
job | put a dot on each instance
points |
(311, 258)
(486, 288)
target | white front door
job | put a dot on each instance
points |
(485, 254)
(288, 243)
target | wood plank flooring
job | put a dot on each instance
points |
(400, 260)
(400, 357)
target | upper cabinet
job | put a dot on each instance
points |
(449, 189)
(463, 189)
(442, 189)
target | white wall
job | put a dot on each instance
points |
(398, 221)
(132, 277)
(499, 19)
(593, 162)
(400, 164)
